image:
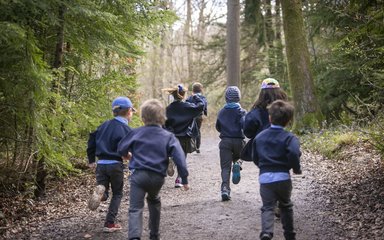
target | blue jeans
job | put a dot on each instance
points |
(230, 149)
(111, 174)
(270, 194)
(144, 182)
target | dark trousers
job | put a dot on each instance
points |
(230, 149)
(199, 121)
(111, 174)
(270, 194)
(144, 182)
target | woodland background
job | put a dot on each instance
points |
(63, 61)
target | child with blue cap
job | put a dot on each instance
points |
(103, 144)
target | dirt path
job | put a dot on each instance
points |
(198, 213)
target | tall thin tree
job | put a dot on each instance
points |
(233, 43)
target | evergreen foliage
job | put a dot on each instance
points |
(61, 64)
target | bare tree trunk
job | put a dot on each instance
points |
(307, 113)
(270, 38)
(280, 58)
(233, 43)
(188, 37)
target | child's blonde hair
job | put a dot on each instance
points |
(153, 112)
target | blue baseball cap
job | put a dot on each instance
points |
(122, 103)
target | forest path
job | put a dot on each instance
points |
(198, 213)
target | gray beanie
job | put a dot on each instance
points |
(232, 94)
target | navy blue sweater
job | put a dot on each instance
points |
(180, 116)
(230, 122)
(276, 150)
(103, 142)
(151, 146)
(192, 99)
(256, 121)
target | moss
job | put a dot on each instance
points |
(329, 143)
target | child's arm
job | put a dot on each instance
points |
(293, 154)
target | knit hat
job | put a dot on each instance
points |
(270, 83)
(232, 94)
(122, 103)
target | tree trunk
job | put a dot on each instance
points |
(233, 43)
(307, 113)
(41, 171)
(279, 48)
(270, 38)
(188, 37)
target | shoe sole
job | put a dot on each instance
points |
(171, 169)
(236, 174)
(110, 230)
(96, 197)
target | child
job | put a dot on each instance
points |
(229, 124)
(180, 120)
(151, 146)
(197, 89)
(276, 151)
(109, 171)
(257, 119)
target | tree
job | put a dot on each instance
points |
(307, 111)
(233, 43)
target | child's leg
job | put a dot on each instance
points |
(136, 204)
(268, 196)
(285, 205)
(154, 204)
(116, 177)
(225, 164)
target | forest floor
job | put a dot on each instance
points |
(341, 199)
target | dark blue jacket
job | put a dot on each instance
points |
(191, 99)
(256, 121)
(180, 116)
(103, 142)
(230, 122)
(151, 146)
(276, 150)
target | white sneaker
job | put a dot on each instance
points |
(95, 199)
(178, 183)
(171, 167)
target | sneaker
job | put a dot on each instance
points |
(265, 236)
(197, 150)
(178, 182)
(111, 227)
(236, 173)
(225, 196)
(96, 197)
(171, 167)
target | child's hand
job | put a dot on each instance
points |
(298, 172)
(186, 187)
(92, 166)
(128, 157)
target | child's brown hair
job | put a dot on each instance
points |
(280, 112)
(153, 112)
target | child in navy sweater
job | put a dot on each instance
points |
(276, 151)
(229, 124)
(197, 89)
(109, 170)
(180, 120)
(150, 148)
